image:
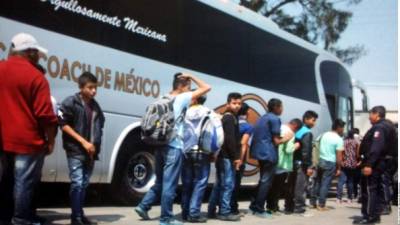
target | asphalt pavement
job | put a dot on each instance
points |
(339, 214)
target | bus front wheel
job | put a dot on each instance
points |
(135, 176)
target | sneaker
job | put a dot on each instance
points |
(38, 220)
(211, 215)
(274, 212)
(264, 215)
(229, 217)
(304, 214)
(199, 219)
(386, 210)
(367, 221)
(142, 213)
(172, 222)
(250, 211)
(338, 201)
(77, 221)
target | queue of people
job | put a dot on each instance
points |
(288, 156)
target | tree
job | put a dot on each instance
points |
(318, 21)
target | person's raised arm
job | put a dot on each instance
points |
(202, 87)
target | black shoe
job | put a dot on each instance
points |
(229, 217)
(184, 217)
(288, 212)
(299, 211)
(211, 215)
(367, 221)
(86, 221)
(200, 219)
(386, 211)
(39, 220)
(77, 221)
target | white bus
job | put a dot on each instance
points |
(135, 47)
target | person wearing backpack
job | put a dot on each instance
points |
(81, 120)
(376, 147)
(196, 164)
(169, 158)
(228, 162)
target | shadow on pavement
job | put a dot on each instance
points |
(53, 217)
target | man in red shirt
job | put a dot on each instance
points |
(27, 121)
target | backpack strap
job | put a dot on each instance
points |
(203, 122)
(234, 117)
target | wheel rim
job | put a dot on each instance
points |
(141, 172)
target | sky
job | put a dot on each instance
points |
(374, 25)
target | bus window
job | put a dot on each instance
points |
(331, 100)
(345, 111)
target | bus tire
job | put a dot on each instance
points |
(135, 175)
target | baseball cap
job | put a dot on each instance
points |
(24, 41)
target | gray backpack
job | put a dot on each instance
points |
(157, 125)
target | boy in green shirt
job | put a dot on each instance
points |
(285, 165)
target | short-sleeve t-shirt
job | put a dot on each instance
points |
(262, 147)
(330, 143)
(245, 127)
(181, 102)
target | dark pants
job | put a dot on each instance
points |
(195, 173)
(223, 187)
(357, 183)
(277, 189)
(289, 192)
(300, 187)
(267, 173)
(26, 170)
(371, 190)
(325, 173)
(168, 169)
(236, 190)
(346, 177)
(6, 187)
(386, 185)
(79, 173)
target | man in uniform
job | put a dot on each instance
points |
(376, 146)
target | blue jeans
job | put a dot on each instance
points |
(223, 187)
(346, 177)
(267, 173)
(195, 173)
(27, 173)
(325, 173)
(79, 173)
(168, 169)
